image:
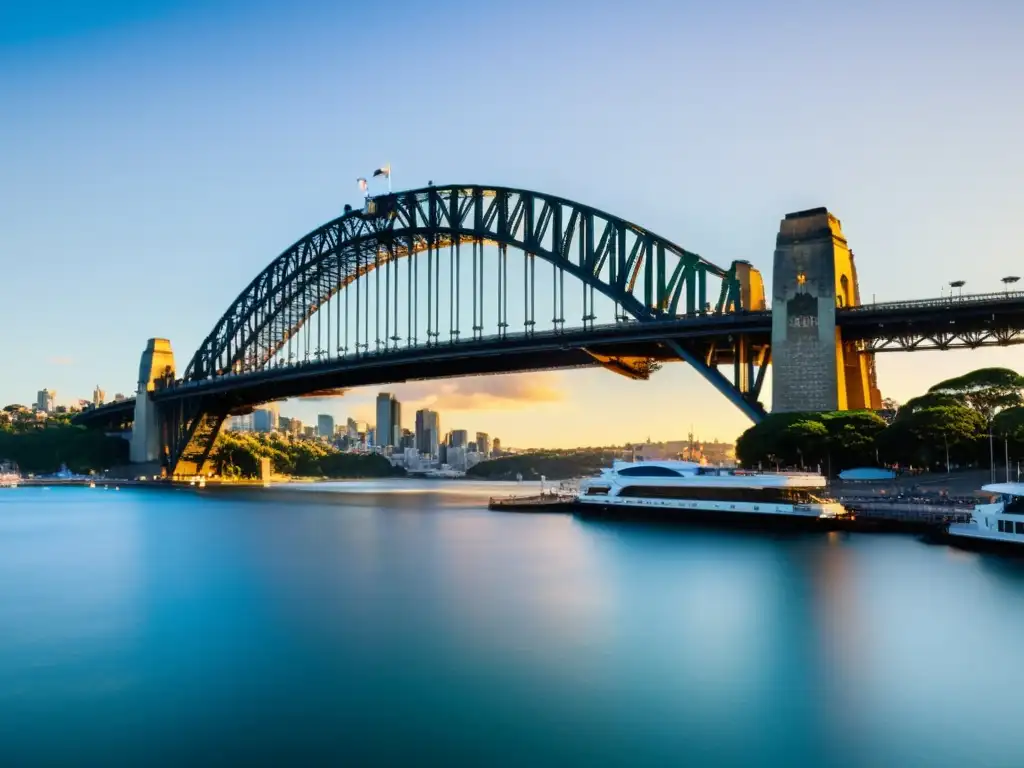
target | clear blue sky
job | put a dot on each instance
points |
(157, 155)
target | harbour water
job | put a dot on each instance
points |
(400, 623)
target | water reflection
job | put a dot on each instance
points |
(372, 626)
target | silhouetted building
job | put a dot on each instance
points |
(325, 425)
(389, 420)
(428, 432)
(458, 438)
(496, 447)
(483, 443)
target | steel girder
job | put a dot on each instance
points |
(940, 341)
(648, 276)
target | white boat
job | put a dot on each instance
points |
(998, 524)
(687, 491)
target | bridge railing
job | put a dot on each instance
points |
(942, 301)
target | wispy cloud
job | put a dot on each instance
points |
(483, 393)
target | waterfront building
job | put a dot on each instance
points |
(496, 447)
(458, 438)
(325, 425)
(483, 443)
(456, 457)
(98, 397)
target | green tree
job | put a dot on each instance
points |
(986, 390)
(924, 437)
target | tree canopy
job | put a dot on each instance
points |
(986, 390)
(953, 416)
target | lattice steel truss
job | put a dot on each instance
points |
(647, 276)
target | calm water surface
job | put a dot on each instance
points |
(401, 623)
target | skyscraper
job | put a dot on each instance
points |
(325, 425)
(264, 419)
(496, 447)
(384, 428)
(428, 432)
(483, 443)
(458, 438)
(46, 400)
(98, 396)
(396, 422)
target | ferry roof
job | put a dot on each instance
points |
(670, 463)
(1008, 489)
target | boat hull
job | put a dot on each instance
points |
(708, 517)
(1005, 547)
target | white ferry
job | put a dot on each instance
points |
(688, 491)
(997, 525)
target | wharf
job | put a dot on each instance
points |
(908, 517)
(540, 502)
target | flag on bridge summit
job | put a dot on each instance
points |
(385, 171)
(362, 184)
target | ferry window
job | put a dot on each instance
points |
(654, 471)
(1002, 526)
(597, 491)
(1013, 504)
(1019, 527)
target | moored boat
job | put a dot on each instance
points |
(997, 525)
(686, 491)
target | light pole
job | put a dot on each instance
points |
(991, 455)
(1008, 281)
(959, 286)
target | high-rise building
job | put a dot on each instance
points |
(240, 423)
(325, 425)
(428, 432)
(407, 441)
(384, 428)
(46, 400)
(496, 447)
(396, 422)
(352, 429)
(309, 431)
(483, 443)
(264, 418)
(119, 398)
(98, 396)
(458, 438)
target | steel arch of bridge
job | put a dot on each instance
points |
(646, 275)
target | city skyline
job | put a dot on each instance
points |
(153, 137)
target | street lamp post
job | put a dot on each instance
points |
(1008, 281)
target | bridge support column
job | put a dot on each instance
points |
(814, 272)
(149, 441)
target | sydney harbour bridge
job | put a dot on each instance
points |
(466, 279)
